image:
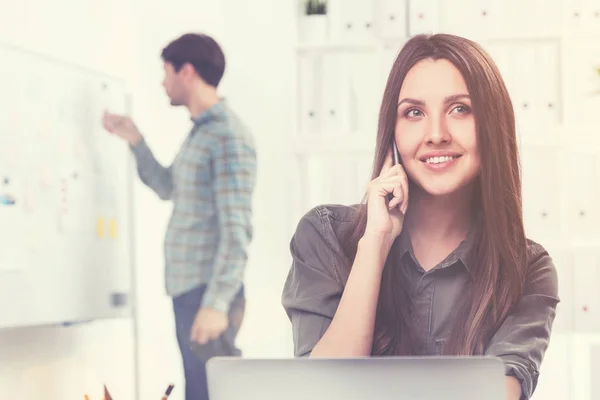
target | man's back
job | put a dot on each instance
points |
(210, 182)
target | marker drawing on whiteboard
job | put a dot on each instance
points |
(7, 200)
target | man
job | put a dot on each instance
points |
(210, 182)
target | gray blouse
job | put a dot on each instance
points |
(315, 284)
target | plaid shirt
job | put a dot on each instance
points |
(211, 182)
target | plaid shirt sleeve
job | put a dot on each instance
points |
(234, 161)
(154, 175)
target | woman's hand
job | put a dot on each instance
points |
(385, 213)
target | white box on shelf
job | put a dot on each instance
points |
(423, 17)
(548, 18)
(357, 22)
(582, 81)
(334, 93)
(583, 188)
(314, 29)
(486, 19)
(365, 93)
(315, 181)
(516, 17)
(582, 18)
(489, 19)
(500, 54)
(542, 192)
(586, 269)
(388, 57)
(453, 22)
(524, 91)
(392, 19)
(574, 16)
(532, 18)
(309, 73)
(547, 68)
(592, 17)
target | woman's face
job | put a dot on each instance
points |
(435, 129)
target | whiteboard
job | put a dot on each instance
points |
(65, 192)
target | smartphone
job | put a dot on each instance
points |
(395, 152)
(396, 160)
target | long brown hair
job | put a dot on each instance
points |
(499, 254)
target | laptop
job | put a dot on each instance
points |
(385, 378)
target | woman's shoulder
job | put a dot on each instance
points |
(321, 233)
(535, 249)
(337, 212)
(536, 252)
(329, 222)
(542, 276)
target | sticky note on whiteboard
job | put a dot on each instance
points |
(7, 200)
(100, 227)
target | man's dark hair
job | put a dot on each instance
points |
(199, 50)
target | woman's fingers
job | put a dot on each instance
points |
(396, 184)
(388, 163)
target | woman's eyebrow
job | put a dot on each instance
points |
(448, 99)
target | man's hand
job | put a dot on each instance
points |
(122, 126)
(208, 325)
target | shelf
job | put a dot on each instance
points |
(338, 47)
(378, 43)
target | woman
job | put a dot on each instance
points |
(436, 261)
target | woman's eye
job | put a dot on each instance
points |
(413, 112)
(461, 109)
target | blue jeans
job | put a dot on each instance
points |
(194, 355)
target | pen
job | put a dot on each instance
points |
(167, 392)
(107, 395)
